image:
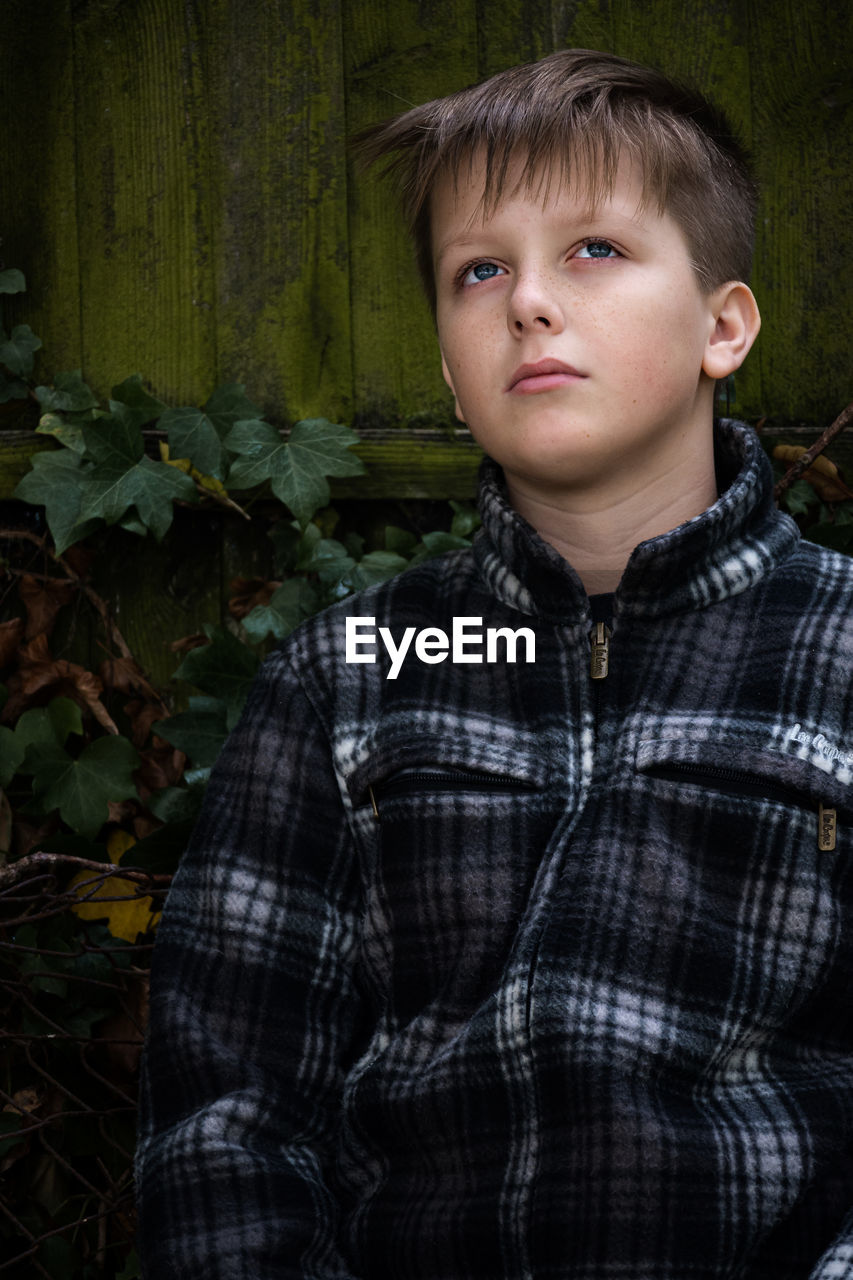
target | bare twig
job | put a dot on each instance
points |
(801, 466)
(41, 862)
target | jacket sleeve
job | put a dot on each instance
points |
(837, 1262)
(253, 1012)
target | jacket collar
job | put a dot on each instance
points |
(723, 551)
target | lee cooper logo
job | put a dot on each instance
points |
(467, 642)
(817, 742)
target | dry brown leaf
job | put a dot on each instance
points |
(48, 677)
(246, 593)
(161, 766)
(11, 635)
(142, 715)
(42, 601)
(194, 641)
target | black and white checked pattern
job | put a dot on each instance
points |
(589, 1017)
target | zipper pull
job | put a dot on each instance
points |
(826, 825)
(599, 654)
(376, 817)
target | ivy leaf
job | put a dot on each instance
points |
(12, 281)
(296, 468)
(54, 483)
(466, 519)
(131, 402)
(82, 789)
(436, 543)
(18, 350)
(113, 441)
(289, 604)
(376, 566)
(12, 753)
(69, 393)
(111, 489)
(192, 434)
(50, 725)
(229, 404)
(224, 668)
(400, 541)
(68, 432)
(200, 731)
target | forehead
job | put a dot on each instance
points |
(476, 195)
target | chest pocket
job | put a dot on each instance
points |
(452, 837)
(764, 839)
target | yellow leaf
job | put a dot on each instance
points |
(125, 919)
(182, 464)
(823, 475)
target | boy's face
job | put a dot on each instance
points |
(573, 340)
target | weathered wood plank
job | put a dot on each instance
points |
(276, 105)
(802, 104)
(39, 216)
(397, 54)
(147, 272)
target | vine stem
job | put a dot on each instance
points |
(801, 466)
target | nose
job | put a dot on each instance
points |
(534, 305)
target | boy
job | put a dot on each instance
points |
(534, 960)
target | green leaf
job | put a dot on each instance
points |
(293, 601)
(376, 566)
(161, 851)
(400, 541)
(172, 804)
(192, 434)
(133, 404)
(48, 725)
(114, 442)
(466, 519)
(68, 433)
(150, 487)
(55, 483)
(81, 789)
(224, 668)
(296, 468)
(12, 281)
(69, 392)
(799, 497)
(436, 543)
(17, 352)
(229, 404)
(12, 752)
(199, 733)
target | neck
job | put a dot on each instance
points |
(597, 531)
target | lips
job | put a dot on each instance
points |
(545, 375)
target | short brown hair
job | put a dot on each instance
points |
(579, 110)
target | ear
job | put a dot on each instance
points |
(736, 324)
(447, 378)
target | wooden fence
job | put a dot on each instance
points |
(177, 188)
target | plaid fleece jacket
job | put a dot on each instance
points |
(578, 1002)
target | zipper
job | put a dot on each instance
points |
(409, 780)
(739, 782)
(599, 651)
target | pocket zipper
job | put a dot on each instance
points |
(442, 780)
(738, 782)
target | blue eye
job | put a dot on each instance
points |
(596, 249)
(481, 271)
